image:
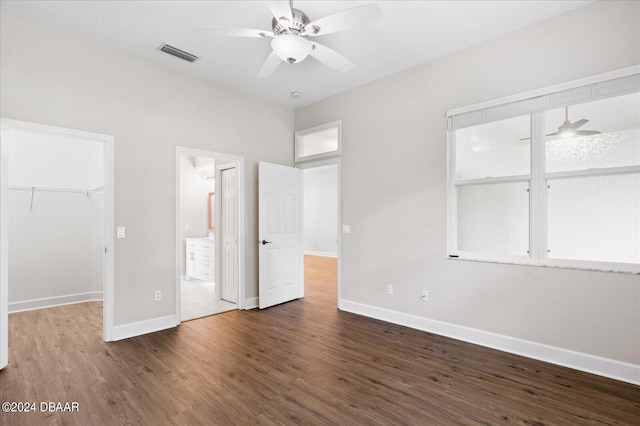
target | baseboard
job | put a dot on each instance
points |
(139, 328)
(606, 367)
(48, 302)
(250, 303)
(321, 253)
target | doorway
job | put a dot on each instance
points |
(56, 190)
(321, 228)
(208, 226)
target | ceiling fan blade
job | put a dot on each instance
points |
(344, 20)
(233, 32)
(579, 123)
(553, 134)
(282, 12)
(330, 58)
(587, 132)
(270, 64)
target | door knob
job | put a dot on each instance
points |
(265, 242)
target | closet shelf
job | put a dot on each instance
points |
(33, 189)
(39, 188)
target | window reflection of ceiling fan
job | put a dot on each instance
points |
(292, 29)
(569, 129)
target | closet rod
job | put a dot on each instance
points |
(36, 188)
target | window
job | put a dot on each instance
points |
(549, 178)
(318, 142)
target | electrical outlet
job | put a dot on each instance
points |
(346, 229)
(120, 232)
(389, 289)
(425, 295)
(158, 295)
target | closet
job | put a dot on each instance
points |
(56, 220)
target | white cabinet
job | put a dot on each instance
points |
(200, 259)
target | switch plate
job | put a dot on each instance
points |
(425, 295)
(346, 229)
(389, 289)
(158, 295)
(120, 231)
(187, 227)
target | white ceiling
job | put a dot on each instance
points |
(410, 33)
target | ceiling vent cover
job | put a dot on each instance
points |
(178, 53)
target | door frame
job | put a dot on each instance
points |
(327, 162)
(227, 158)
(107, 142)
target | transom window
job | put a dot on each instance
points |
(318, 142)
(551, 180)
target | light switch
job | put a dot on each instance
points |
(346, 229)
(120, 231)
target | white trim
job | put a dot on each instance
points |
(251, 303)
(139, 328)
(108, 303)
(542, 91)
(108, 260)
(486, 180)
(601, 366)
(48, 302)
(239, 164)
(298, 141)
(592, 172)
(4, 250)
(581, 265)
(321, 253)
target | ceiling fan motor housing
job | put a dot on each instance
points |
(300, 20)
(288, 43)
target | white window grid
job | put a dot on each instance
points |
(535, 104)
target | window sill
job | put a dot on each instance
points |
(621, 268)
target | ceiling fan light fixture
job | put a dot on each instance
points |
(567, 133)
(291, 48)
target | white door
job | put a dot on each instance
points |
(229, 234)
(280, 234)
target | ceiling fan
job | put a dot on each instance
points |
(292, 29)
(569, 130)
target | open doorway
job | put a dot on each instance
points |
(321, 223)
(57, 221)
(317, 153)
(207, 233)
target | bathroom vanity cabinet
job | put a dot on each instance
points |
(200, 259)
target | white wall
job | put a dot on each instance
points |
(398, 219)
(53, 78)
(320, 210)
(55, 248)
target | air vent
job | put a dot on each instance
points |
(178, 53)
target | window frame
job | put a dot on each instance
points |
(536, 103)
(299, 136)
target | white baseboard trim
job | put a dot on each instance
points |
(606, 367)
(321, 253)
(250, 303)
(48, 302)
(139, 328)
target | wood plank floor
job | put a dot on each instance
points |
(302, 362)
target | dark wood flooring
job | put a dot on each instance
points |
(302, 362)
